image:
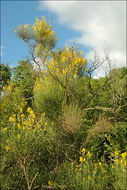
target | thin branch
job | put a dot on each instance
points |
(98, 108)
(55, 78)
(33, 180)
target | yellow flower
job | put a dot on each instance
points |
(100, 164)
(23, 127)
(49, 182)
(125, 162)
(75, 75)
(5, 129)
(19, 136)
(18, 125)
(116, 153)
(26, 25)
(11, 119)
(117, 161)
(83, 151)
(7, 147)
(28, 109)
(45, 129)
(37, 19)
(89, 154)
(81, 159)
(46, 123)
(25, 122)
(22, 115)
(124, 155)
(34, 131)
(21, 110)
(32, 114)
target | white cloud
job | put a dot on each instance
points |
(96, 21)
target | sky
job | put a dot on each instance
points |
(89, 24)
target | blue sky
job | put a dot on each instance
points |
(23, 12)
(88, 23)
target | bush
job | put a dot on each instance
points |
(49, 98)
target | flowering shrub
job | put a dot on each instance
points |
(89, 174)
(23, 142)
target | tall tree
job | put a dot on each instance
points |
(5, 74)
(24, 77)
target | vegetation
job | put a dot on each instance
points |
(60, 127)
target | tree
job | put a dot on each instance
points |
(5, 74)
(24, 77)
(40, 39)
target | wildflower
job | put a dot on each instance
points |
(100, 164)
(75, 75)
(26, 25)
(89, 154)
(83, 151)
(7, 147)
(11, 119)
(46, 123)
(125, 162)
(21, 110)
(18, 125)
(23, 127)
(34, 131)
(5, 129)
(28, 109)
(25, 122)
(81, 159)
(124, 155)
(49, 182)
(19, 136)
(13, 115)
(37, 19)
(116, 153)
(22, 115)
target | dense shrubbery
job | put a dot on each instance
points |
(60, 128)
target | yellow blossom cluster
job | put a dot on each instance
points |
(121, 160)
(25, 125)
(66, 62)
(45, 37)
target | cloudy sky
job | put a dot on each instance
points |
(87, 23)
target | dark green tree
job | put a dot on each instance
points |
(5, 74)
(24, 77)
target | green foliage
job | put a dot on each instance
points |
(5, 74)
(48, 98)
(11, 101)
(24, 78)
(120, 132)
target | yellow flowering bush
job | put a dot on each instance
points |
(89, 174)
(23, 141)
